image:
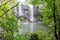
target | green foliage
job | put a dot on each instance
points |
(35, 2)
(41, 35)
(47, 14)
(8, 22)
(34, 37)
(4, 6)
(19, 37)
(10, 27)
(46, 36)
(21, 18)
(50, 3)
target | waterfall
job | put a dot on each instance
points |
(20, 13)
(28, 26)
(20, 10)
(31, 12)
(22, 1)
(31, 17)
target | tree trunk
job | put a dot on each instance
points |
(54, 15)
(59, 28)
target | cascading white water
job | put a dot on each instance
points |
(31, 17)
(20, 7)
(30, 8)
(20, 10)
(31, 12)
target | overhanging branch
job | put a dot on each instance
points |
(8, 10)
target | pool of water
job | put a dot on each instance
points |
(31, 27)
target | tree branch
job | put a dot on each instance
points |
(8, 10)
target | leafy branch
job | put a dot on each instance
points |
(8, 10)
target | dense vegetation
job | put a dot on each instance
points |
(49, 15)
